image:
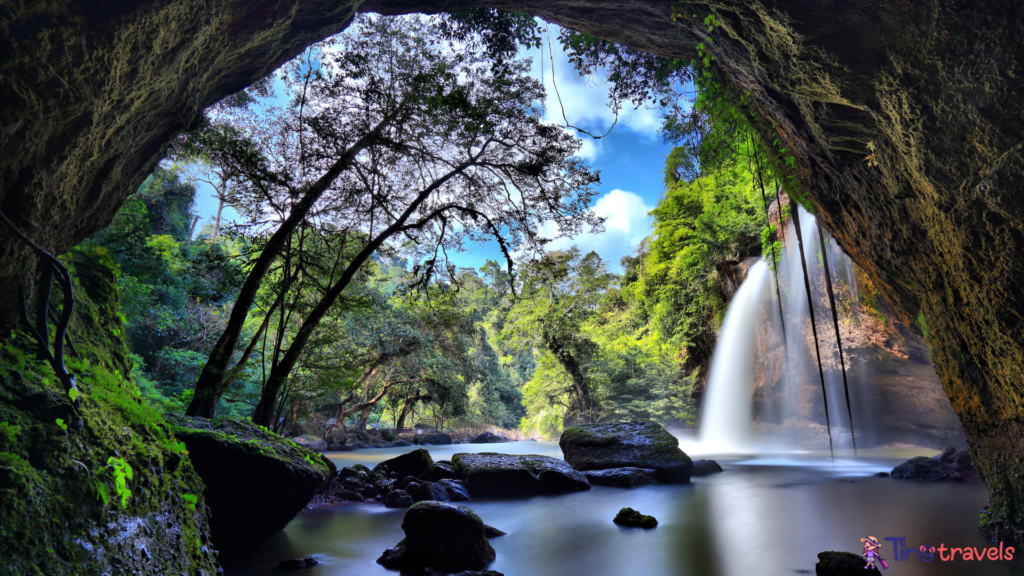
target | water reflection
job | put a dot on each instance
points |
(758, 517)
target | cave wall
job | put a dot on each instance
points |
(90, 92)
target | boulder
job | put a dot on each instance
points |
(705, 468)
(310, 442)
(256, 481)
(297, 563)
(402, 443)
(950, 465)
(438, 439)
(416, 463)
(398, 499)
(478, 573)
(442, 469)
(488, 438)
(335, 447)
(354, 443)
(633, 519)
(491, 474)
(444, 537)
(626, 445)
(839, 564)
(621, 477)
(429, 491)
(456, 490)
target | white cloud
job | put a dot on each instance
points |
(626, 224)
(584, 100)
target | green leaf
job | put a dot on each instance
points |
(63, 426)
(73, 394)
(190, 500)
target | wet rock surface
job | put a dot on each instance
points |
(621, 477)
(633, 519)
(444, 537)
(436, 439)
(626, 445)
(950, 465)
(310, 442)
(500, 475)
(705, 468)
(256, 481)
(840, 564)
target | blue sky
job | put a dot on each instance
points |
(630, 160)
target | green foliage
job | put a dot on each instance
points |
(117, 471)
(61, 424)
(190, 501)
(9, 433)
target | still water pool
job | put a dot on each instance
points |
(763, 515)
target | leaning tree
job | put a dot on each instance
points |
(391, 134)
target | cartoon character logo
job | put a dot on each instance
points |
(871, 547)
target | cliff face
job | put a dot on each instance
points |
(91, 92)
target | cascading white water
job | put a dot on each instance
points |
(725, 424)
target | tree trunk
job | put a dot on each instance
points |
(280, 372)
(584, 404)
(210, 386)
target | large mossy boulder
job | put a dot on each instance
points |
(256, 481)
(626, 445)
(491, 474)
(443, 537)
(839, 564)
(53, 516)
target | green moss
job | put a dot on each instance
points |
(50, 514)
(633, 519)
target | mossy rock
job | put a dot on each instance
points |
(52, 520)
(256, 481)
(839, 564)
(632, 519)
(491, 474)
(444, 537)
(642, 444)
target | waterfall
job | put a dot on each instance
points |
(725, 424)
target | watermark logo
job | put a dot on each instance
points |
(871, 556)
(901, 552)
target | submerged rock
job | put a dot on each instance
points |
(950, 465)
(456, 490)
(491, 474)
(839, 564)
(492, 532)
(297, 563)
(416, 463)
(442, 469)
(621, 477)
(398, 499)
(478, 573)
(429, 491)
(402, 443)
(488, 438)
(705, 468)
(444, 537)
(626, 445)
(633, 519)
(256, 481)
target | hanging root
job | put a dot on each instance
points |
(49, 267)
(839, 342)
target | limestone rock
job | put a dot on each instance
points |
(626, 445)
(491, 474)
(256, 481)
(445, 537)
(705, 468)
(416, 463)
